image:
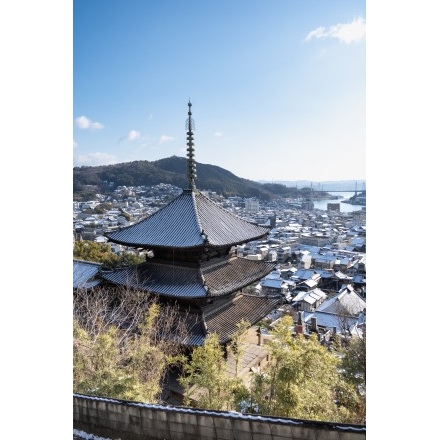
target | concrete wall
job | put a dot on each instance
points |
(118, 419)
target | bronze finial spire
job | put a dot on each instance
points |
(190, 138)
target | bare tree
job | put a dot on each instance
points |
(137, 337)
(98, 308)
(347, 318)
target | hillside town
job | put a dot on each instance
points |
(320, 255)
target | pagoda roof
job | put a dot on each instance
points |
(222, 318)
(249, 307)
(84, 273)
(191, 220)
(183, 280)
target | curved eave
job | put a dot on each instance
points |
(190, 221)
(161, 279)
(154, 246)
(174, 225)
(234, 274)
(213, 279)
(201, 246)
(84, 273)
(222, 227)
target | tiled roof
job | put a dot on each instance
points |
(196, 330)
(223, 315)
(163, 279)
(224, 321)
(324, 319)
(84, 273)
(303, 274)
(325, 274)
(191, 281)
(310, 283)
(358, 279)
(274, 284)
(190, 220)
(347, 300)
(299, 296)
(234, 273)
(341, 275)
(330, 320)
(311, 296)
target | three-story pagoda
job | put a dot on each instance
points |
(191, 243)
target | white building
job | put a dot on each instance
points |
(251, 205)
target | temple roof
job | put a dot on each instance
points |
(84, 273)
(249, 307)
(209, 279)
(222, 317)
(191, 220)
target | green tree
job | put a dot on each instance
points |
(97, 366)
(102, 208)
(236, 347)
(93, 251)
(128, 259)
(149, 356)
(302, 380)
(354, 370)
(205, 377)
(126, 215)
(102, 253)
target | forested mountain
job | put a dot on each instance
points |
(173, 170)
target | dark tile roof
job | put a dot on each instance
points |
(223, 315)
(196, 330)
(84, 273)
(160, 278)
(224, 320)
(215, 278)
(233, 274)
(190, 220)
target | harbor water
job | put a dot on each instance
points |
(344, 207)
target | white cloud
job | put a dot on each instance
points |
(75, 144)
(344, 32)
(133, 135)
(218, 134)
(165, 138)
(94, 159)
(84, 123)
(317, 33)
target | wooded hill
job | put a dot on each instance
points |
(173, 170)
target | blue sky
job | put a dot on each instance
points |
(277, 87)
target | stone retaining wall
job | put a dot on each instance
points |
(124, 420)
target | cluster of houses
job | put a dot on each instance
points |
(320, 255)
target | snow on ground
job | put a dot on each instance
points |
(81, 435)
